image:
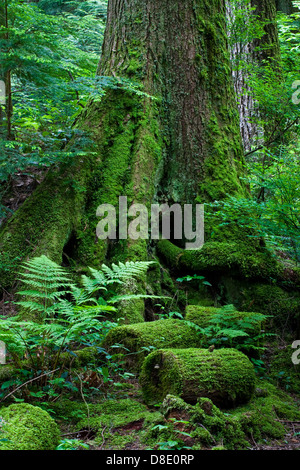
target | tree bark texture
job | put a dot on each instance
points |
(177, 140)
(248, 49)
(166, 130)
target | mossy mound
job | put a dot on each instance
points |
(272, 300)
(226, 376)
(27, 427)
(114, 423)
(140, 339)
(262, 419)
(240, 259)
(202, 316)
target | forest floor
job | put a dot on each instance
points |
(130, 427)
(129, 434)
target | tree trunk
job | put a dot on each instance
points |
(5, 76)
(286, 6)
(248, 47)
(166, 130)
(177, 142)
(268, 46)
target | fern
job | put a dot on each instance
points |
(72, 316)
(48, 283)
(225, 329)
(116, 274)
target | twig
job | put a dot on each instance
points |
(28, 381)
(83, 397)
(103, 438)
(271, 141)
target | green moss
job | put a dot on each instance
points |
(141, 338)
(226, 376)
(239, 259)
(283, 372)
(260, 419)
(27, 427)
(118, 423)
(208, 425)
(270, 299)
(201, 316)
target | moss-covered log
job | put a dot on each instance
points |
(140, 339)
(235, 258)
(27, 427)
(226, 376)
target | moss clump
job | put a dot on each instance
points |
(27, 427)
(226, 376)
(202, 316)
(140, 339)
(221, 257)
(261, 418)
(118, 423)
(208, 425)
(270, 299)
(45, 221)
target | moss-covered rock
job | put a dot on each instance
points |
(27, 427)
(202, 316)
(226, 376)
(208, 425)
(262, 419)
(138, 340)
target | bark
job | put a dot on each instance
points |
(241, 47)
(175, 139)
(286, 6)
(5, 76)
(268, 46)
(259, 51)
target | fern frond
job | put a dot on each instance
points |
(120, 298)
(123, 271)
(47, 283)
(91, 285)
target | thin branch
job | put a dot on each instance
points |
(29, 381)
(273, 140)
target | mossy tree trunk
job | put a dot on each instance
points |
(178, 141)
(166, 131)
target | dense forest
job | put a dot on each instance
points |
(149, 226)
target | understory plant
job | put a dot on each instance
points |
(65, 323)
(225, 329)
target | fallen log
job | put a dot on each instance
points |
(225, 376)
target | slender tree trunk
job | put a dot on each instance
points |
(241, 47)
(268, 46)
(250, 47)
(286, 6)
(5, 76)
